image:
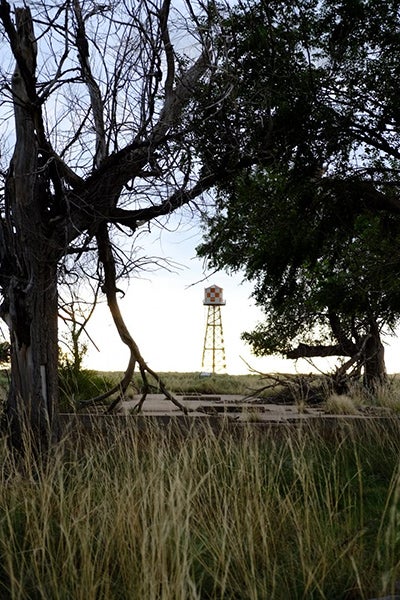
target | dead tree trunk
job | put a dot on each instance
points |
(32, 400)
(30, 299)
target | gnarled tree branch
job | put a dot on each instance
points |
(106, 258)
(316, 350)
(92, 85)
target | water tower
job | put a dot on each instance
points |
(213, 350)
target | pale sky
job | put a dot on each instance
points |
(165, 314)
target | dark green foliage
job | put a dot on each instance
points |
(306, 260)
(78, 385)
(263, 104)
(313, 118)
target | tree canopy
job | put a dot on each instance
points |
(314, 224)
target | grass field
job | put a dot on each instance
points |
(282, 515)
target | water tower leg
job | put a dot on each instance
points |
(214, 358)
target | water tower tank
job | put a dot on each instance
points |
(213, 296)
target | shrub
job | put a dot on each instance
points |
(76, 386)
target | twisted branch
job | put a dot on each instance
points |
(106, 258)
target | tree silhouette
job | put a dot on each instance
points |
(98, 145)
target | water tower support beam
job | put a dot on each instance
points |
(214, 349)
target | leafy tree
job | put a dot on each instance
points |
(321, 271)
(316, 86)
(94, 147)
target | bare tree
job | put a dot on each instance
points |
(98, 145)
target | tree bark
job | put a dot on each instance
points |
(31, 408)
(316, 350)
(374, 359)
(30, 306)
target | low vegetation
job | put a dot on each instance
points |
(82, 384)
(301, 390)
(207, 383)
(250, 514)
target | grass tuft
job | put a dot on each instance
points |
(341, 404)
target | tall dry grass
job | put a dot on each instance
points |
(245, 514)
